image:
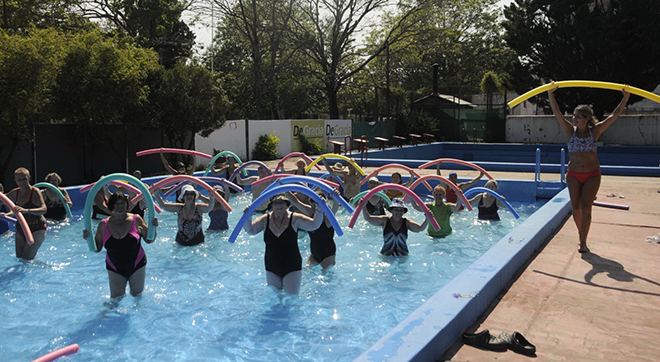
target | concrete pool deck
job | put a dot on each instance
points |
(601, 306)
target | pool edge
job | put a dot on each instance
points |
(432, 328)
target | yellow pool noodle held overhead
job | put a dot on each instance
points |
(584, 84)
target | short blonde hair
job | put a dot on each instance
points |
(22, 170)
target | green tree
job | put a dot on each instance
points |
(257, 44)
(463, 37)
(100, 79)
(18, 16)
(490, 84)
(28, 68)
(614, 41)
(154, 24)
(186, 99)
(331, 28)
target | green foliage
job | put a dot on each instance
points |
(309, 147)
(612, 41)
(186, 99)
(101, 79)
(417, 122)
(266, 148)
(20, 16)
(490, 84)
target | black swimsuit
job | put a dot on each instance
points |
(322, 242)
(282, 252)
(488, 212)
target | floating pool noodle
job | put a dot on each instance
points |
(19, 218)
(457, 161)
(208, 180)
(249, 163)
(586, 84)
(447, 182)
(334, 155)
(403, 189)
(393, 165)
(612, 206)
(215, 158)
(70, 349)
(178, 178)
(59, 193)
(172, 150)
(278, 190)
(316, 182)
(379, 193)
(123, 184)
(293, 154)
(476, 190)
(89, 204)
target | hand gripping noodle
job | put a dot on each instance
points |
(123, 184)
(278, 190)
(249, 163)
(456, 161)
(294, 154)
(379, 194)
(475, 190)
(334, 155)
(403, 189)
(59, 193)
(232, 154)
(179, 178)
(89, 204)
(322, 184)
(445, 181)
(393, 165)
(585, 84)
(19, 218)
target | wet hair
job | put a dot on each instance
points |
(53, 178)
(588, 113)
(112, 200)
(138, 172)
(221, 159)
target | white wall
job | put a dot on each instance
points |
(629, 130)
(232, 136)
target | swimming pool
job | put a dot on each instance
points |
(211, 302)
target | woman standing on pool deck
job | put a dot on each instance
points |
(120, 234)
(189, 213)
(30, 203)
(395, 228)
(583, 176)
(280, 226)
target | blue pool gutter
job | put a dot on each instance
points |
(430, 330)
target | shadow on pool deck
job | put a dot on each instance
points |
(602, 306)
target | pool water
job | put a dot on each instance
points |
(211, 302)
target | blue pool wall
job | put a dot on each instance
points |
(427, 333)
(615, 160)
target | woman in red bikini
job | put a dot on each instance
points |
(583, 176)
